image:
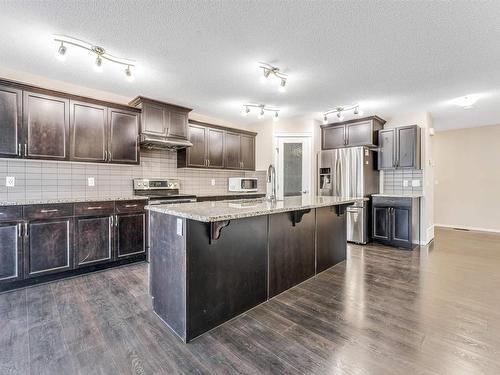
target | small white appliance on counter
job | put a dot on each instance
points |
(242, 184)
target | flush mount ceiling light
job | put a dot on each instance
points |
(262, 108)
(340, 110)
(99, 53)
(466, 102)
(273, 71)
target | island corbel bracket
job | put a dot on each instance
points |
(340, 209)
(216, 229)
(297, 215)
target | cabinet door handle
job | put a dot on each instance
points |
(130, 205)
(116, 221)
(19, 149)
(95, 208)
(19, 230)
(26, 232)
(25, 149)
(208, 162)
(112, 221)
(47, 211)
(109, 157)
(105, 155)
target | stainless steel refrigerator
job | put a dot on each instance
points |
(350, 172)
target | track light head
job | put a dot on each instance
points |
(61, 52)
(129, 75)
(276, 116)
(282, 87)
(340, 116)
(98, 64)
(261, 114)
(245, 111)
(325, 119)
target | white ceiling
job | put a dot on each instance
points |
(392, 57)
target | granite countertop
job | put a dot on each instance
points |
(399, 195)
(237, 209)
(23, 202)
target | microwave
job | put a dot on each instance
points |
(242, 184)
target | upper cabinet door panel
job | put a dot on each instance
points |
(247, 152)
(124, 135)
(46, 126)
(10, 121)
(387, 144)
(359, 134)
(233, 149)
(88, 128)
(197, 154)
(178, 124)
(215, 148)
(406, 147)
(333, 137)
(155, 119)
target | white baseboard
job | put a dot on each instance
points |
(476, 229)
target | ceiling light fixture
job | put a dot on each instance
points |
(61, 52)
(99, 52)
(340, 110)
(262, 110)
(466, 102)
(268, 69)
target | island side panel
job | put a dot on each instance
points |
(228, 276)
(291, 251)
(331, 240)
(168, 270)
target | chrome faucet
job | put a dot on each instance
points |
(271, 178)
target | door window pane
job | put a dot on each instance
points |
(292, 169)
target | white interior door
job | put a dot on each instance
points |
(293, 161)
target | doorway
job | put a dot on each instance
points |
(293, 165)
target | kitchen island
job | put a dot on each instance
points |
(211, 261)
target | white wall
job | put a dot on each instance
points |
(424, 120)
(468, 178)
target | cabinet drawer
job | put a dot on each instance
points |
(94, 208)
(392, 201)
(130, 206)
(47, 211)
(11, 213)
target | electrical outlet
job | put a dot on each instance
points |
(10, 181)
(179, 227)
(213, 182)
(415, 183)
(405, 183)
(91, 181)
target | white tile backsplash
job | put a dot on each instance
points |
(51, 179)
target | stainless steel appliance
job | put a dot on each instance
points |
(350, 172)
(243, 184)
(161, 191)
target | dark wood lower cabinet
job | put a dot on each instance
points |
(49, 246)
(131, 234)
(11, 251)
(291, 251)
(93, 240)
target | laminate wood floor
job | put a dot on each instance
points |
(383, 311)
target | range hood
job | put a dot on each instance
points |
(163, 143)
(164, 126)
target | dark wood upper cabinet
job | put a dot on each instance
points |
(197, 154)
(215, 148)
(155, 119)
(352, 133)
(88, 132)
(247, 146)
(178, 124)
(123, 144)
(49, 246)
(233, 150)
(46, 126)
(10, 122)
(10, 251)
(400, 148)
(218, 147)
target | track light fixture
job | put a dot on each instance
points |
(269, 70)
(99, 53)
(340, 110)
(262, 110)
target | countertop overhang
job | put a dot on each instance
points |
(27, 202)
(237, 209)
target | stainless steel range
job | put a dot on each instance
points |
(161, 191)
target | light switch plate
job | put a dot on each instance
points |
(10, 181)
(415, 183)
(90, 181)
(405, 183)
(179, 227)
(213, 182)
